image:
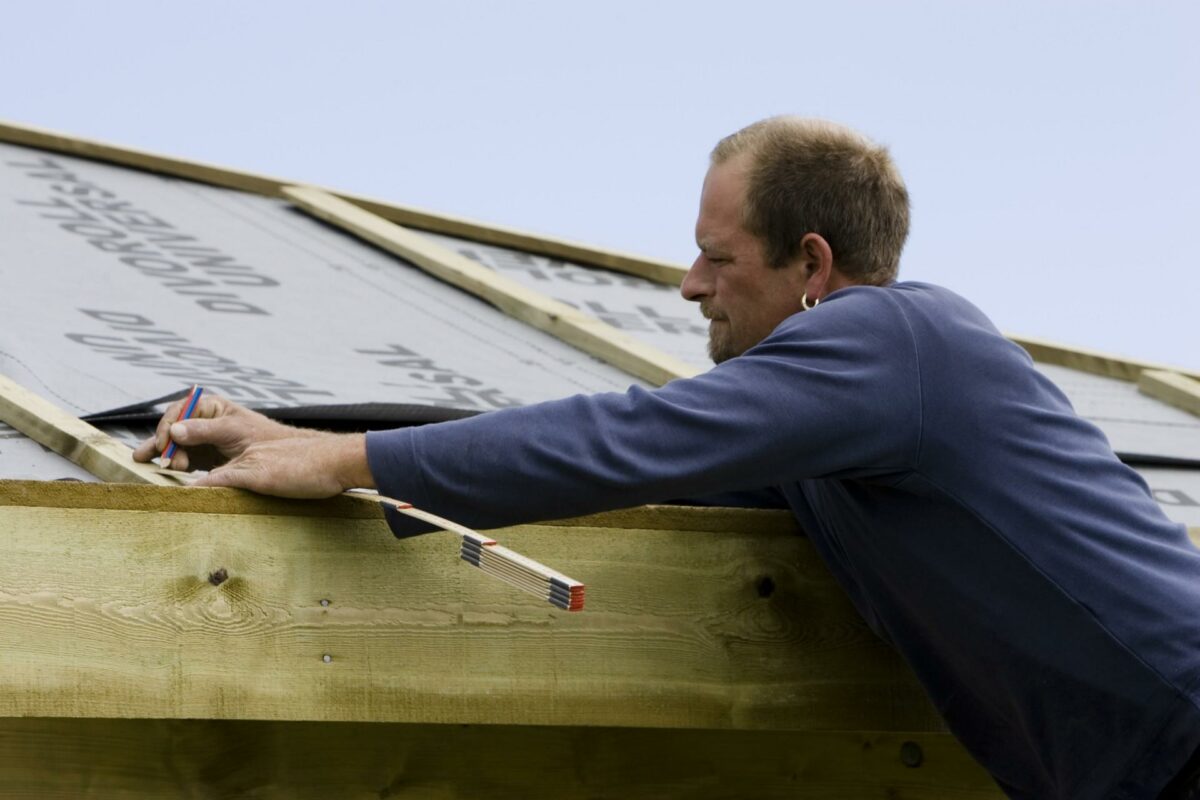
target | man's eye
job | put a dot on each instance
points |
(717, 260)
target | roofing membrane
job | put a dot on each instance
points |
(651, 312)
(120, 285)
(1134, 423)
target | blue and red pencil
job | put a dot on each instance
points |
(189, 408)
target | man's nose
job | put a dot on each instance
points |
(697, 284)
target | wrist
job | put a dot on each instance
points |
(352, 468)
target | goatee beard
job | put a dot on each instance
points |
(719, 347)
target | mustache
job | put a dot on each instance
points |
(706, 310)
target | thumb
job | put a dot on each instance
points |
(217, 432)
(228, 476)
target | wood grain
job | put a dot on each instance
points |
(1171, 388)
(582, 330)
(48, 759)
(54, 494)
(108, 612)
(651, 269)
(1092, 361)
(67, 435)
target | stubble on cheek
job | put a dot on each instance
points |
(720, 339)
(720, 345)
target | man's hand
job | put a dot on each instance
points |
(218, 430)
(263, 455)
(311, 466)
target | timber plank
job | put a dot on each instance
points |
(178, 499)
(652, 269)
(71, 437)
(582, 330)
(1093, 361)
(112, 613)
(1171, 388)
(103, 758)
(648, 268)
(56, 494)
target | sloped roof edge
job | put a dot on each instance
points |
(1093, 361)
(1175, 387)
(652, 269)
(1078, 358)
(539, 310)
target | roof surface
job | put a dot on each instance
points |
(123, 285)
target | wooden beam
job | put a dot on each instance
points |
(67, 435)
(114, 612)
(1171, 388)
(556, 318)
(652, 269)
(1092, 361)
(69, 758)
(55, 494)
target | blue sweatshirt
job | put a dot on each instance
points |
(1045, 603)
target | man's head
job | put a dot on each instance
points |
(792, 208)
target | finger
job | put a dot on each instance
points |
(212, 405)
(169, 417)
(208, 406)
(221, 432)
(234, 475)
(225, 476)
(179, 460)
(146, 450)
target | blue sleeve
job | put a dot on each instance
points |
(766, 497)
(832, 392)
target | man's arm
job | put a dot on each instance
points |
(263, 455)
(832, 393)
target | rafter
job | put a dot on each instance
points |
(556, 318)
(651, 269)
(67, 435)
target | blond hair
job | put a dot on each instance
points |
(814, 176)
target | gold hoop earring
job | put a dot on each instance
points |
(804, 302)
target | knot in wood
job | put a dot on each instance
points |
(218, 577)
(911, 754)
(765, 586)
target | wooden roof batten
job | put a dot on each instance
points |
(72, 438)
(651, 269)
(1092, 361)
(1176, 387)
(1171, 387)
(582, 330)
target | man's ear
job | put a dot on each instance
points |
(816, 261)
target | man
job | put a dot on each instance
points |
(976, 522)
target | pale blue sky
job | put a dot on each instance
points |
(1050, 147)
